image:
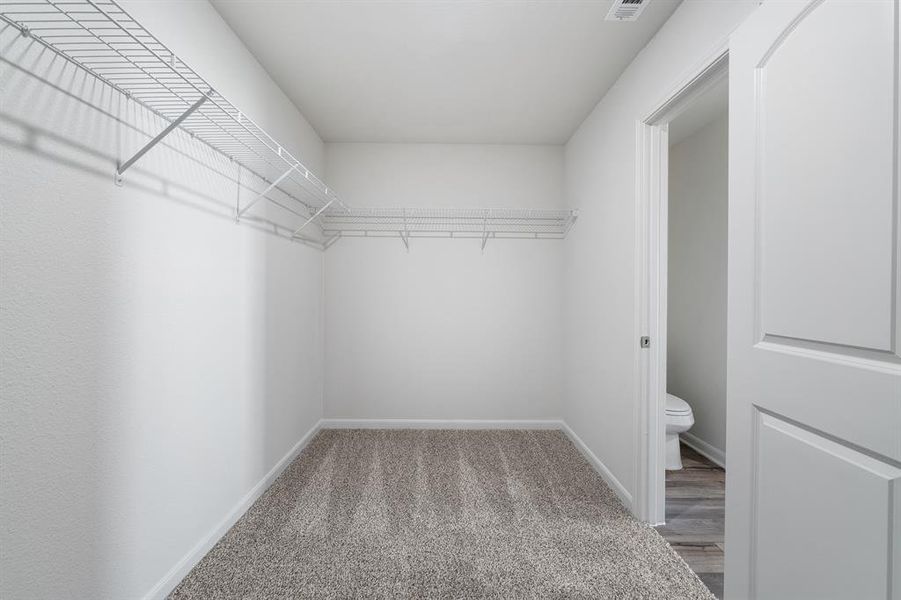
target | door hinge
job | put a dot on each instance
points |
(645, 341)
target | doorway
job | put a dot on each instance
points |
(683, 205)
(695, 414)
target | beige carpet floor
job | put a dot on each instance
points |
(440, 514)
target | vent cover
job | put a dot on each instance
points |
(626, 10)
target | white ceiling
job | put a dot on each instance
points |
(449, 71)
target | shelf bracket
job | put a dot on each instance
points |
(328, 243)
(262, 194)
(121, 168)
(238, 194)
(405, 234)
(485, 231)
(310, 220)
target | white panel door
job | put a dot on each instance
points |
(813, 490)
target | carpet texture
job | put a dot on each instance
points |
(440, 514)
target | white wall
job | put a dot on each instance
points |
(444, 331)
(601, 370)
(157, 359)
(696, 301)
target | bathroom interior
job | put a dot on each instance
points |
(696, 334)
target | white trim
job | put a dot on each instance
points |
(651, 251)
(717, 456)
(619, 489)
(652, 147)
(441, 424)
(178, 572)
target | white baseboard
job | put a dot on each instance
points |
(184, 566)
(717, 456)
(440, 424)
(619, 489)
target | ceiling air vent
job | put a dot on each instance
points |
(626, 10)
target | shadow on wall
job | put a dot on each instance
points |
(99, 108)
(153, 360)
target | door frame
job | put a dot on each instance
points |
(652, 183)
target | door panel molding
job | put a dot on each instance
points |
(837, 493)
(865, 358)
(789, 29)
(817, 437)
(799, 296)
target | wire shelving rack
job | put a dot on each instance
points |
(104, 40)
(481, 223)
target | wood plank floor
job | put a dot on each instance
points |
(696, 516)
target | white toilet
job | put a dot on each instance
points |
(679, 418)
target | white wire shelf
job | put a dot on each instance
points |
(481, 223)
(104, 40)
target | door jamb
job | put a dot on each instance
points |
(652, 182)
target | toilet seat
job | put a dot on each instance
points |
(676, 406)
